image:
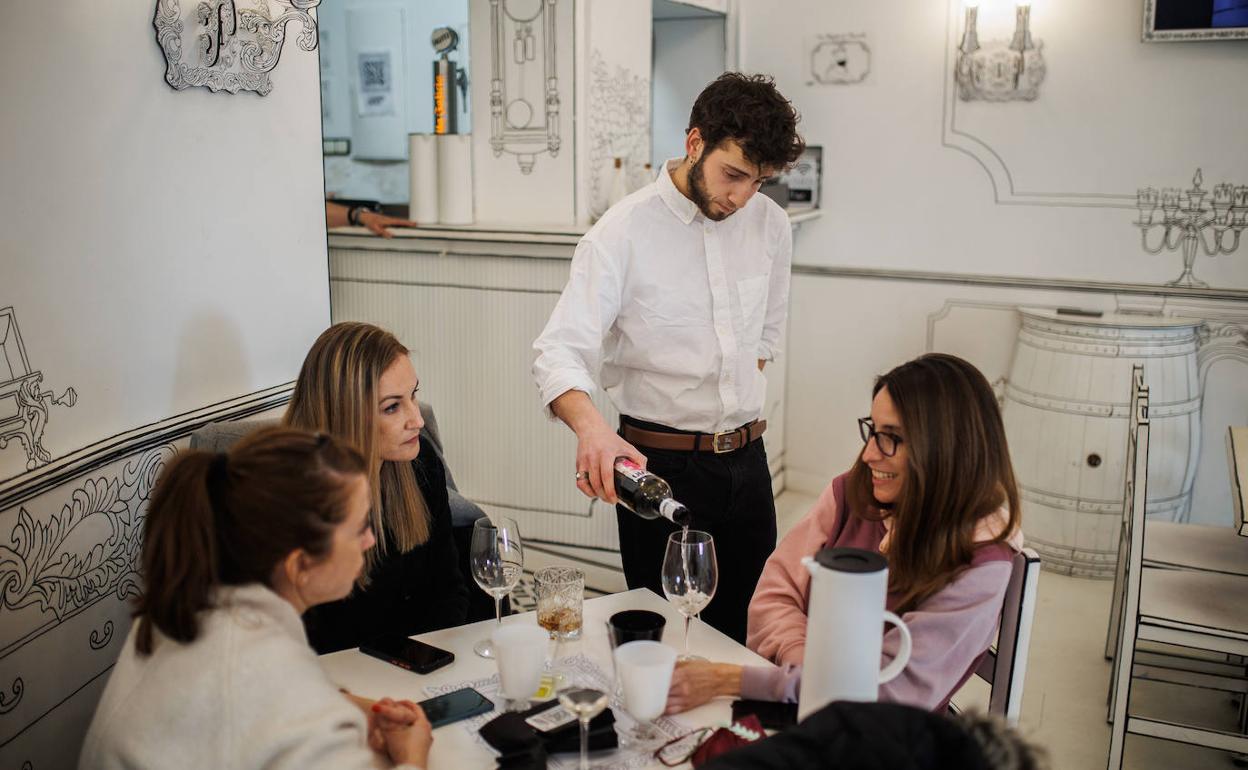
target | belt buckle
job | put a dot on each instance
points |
(721, 443)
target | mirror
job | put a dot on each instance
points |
(379, 60)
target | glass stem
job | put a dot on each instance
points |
(498, 609)
(688, 620)
(584, 744)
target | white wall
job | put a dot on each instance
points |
(919, 185)
(163, 252)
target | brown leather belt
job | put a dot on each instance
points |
(719, 443)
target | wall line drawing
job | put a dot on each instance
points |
(237, 47)
(25, 407)
(516, 126)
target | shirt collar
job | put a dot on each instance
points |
(684, 209)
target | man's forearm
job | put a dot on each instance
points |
(577, 411)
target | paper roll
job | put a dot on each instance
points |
(455, 179)
(422, 161)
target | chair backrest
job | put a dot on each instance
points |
(1125, 611)
(1005, 666)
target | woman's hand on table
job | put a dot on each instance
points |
(401, 730)
(695, 682)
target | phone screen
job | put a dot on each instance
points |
(408, 653)
(454, 706)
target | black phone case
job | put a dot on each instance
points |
(771, 714)
(407, 664)
(484, 707)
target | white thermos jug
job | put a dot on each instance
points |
(845, 629)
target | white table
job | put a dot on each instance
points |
(453, 747)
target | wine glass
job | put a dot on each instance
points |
(497, 559)
(690, 574)
(583, 697)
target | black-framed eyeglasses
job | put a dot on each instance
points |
(887, 442)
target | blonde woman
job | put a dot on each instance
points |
(358, 384)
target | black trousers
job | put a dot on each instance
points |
(730, 497)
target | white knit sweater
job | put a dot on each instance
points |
(247, 693)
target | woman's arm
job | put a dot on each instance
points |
(443, 595)
(950, 631)
(776, 627)
(696, 682)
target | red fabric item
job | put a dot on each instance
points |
(724, 740)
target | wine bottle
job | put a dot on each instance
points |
(647, 495)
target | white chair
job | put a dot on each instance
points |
(1004, 666)
(1172, 545)
(1185, 609)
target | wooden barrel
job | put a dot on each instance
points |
(1066, 418)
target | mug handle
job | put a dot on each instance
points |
(891, 671)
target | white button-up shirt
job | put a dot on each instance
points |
(672, 310)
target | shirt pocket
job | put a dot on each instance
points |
(752, 294)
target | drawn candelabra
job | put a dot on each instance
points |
(1193, 219)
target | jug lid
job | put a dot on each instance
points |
(854, 560)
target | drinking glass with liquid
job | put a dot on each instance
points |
(690, 575)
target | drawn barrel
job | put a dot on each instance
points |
(1066, 418)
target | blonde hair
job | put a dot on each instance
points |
(337, 393)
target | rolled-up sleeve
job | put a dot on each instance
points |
(778, 290)
(569, 349)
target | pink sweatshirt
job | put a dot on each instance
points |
(951, 629)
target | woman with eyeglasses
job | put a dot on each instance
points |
(933, 490)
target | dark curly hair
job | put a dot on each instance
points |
(748, 109)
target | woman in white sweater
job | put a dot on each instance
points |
(217, 671)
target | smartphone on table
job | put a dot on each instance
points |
(408, 653)
(454, 706)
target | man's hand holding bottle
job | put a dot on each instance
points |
(597, 446)
(596, 453)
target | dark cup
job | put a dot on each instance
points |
(635, 625)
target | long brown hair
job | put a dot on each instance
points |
(337, 393)
(958, 471)
(230, 519)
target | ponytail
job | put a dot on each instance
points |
(179, 551)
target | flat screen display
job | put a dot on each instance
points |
(1195, 19)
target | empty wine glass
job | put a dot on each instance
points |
(584, 698)
(497, 559)
(690, 574)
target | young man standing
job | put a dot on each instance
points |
(676, 299)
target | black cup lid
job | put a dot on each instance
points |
(851, 560)
(637, 620)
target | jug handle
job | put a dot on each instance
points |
(891, 671)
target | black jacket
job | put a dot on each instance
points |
(862, 736)
(409, 593)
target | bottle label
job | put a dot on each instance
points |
(631, 470)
